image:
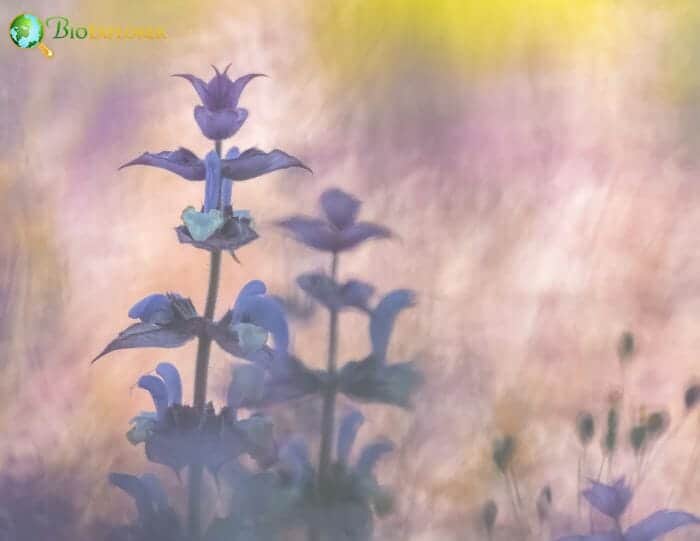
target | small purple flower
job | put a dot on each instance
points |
(243, 330)
(166, 321)
(611, 500)
(347, 510)
(218, 227)
(219, 116)
(178, 435)
(156, 308)
(339, 230)
(372, 379)
(156, 518)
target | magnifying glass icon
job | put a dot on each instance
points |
(27, 31)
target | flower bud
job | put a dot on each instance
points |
(657, 423)
(489, 513)
(503, 452)
(626, 346)
(585, 427)
(692, 396)
(610, 440)
(638, 436)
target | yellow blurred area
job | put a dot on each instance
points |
(358, 35)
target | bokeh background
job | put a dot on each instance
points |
(537, 159)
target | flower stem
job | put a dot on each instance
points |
(200, 389)
(329, 396)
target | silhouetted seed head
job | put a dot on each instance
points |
(610, 440)
(544, 503)
(503, 452)
(638, 436)
(692, 396)
(489, 513)
(657, 423)
(585, 427)
(626, 346)
(615, 397)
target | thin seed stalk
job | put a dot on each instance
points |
(200, 390)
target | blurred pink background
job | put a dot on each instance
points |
(537, 160)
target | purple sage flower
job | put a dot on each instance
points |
(156, 521)
(219, 116)
(244, 330)
(178, 435)
(339, 230)
(612, 500)
(372, 379)
(348, 510)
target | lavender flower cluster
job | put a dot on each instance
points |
(278, 488)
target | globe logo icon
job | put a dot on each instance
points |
(27, 31)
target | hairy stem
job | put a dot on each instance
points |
(329, 395)
(200, 389)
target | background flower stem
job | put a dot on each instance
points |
(200, 388)
(328, 415)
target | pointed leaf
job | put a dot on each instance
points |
(357, 233)
(288, 379)
(149, 335)
(254, 162)
(369, 381)
(322, 289)
(182, 162)
(312, 232)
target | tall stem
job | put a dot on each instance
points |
(329, 395)
(200, 388)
